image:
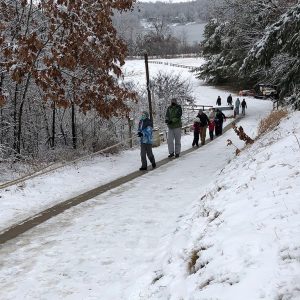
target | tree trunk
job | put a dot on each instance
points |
(19, 134)
(74, 137)
(130, 131)
(15, 118)
(62, 127)
(18, 149)
(53, 126)
(1, 110)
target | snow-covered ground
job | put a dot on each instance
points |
(206, 226)
(26, 199)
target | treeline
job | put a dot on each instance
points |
(157, 38)
(182, 12)
(61, 88)
(247, 42)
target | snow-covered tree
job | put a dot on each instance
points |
(63, 41)
(236, 26)
(58, 57)
(276, 56)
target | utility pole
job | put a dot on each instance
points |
(148, 86)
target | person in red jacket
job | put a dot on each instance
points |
(211, 128)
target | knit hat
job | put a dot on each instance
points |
(145, 113)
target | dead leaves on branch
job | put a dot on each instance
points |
(237, 150)
(78, 41)
(242, 135)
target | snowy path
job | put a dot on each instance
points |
(109, 247)
(115, 245)
(34, 220)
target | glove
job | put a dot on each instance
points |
(140, 134)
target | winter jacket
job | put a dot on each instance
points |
(219, 101)
(196, 127)
(237, 103)
(211, 115)
(211, 126)
(229, 100)
(203, 119)
(244, 104)
(173, 116)
(145, 127)
(220, 117)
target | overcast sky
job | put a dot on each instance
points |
(173, 1)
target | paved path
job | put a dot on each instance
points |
(25, 225)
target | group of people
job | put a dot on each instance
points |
(237, 104)
(213, 121)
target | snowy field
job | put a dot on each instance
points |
(208, 225)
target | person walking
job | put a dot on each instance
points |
(244, 106)
(237, 107)
(219, 119)
(219, 101)
(173, 120)
(196, 128)
(211, 114)
(229, 100)
(203, 125)
(211, 128)
(145, 133)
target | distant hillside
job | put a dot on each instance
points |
(184, 12)
(190, 32)
(163, 28)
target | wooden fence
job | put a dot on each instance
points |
(172, 65)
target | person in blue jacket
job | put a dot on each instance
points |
(145, 134)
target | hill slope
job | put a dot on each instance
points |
(242, 240)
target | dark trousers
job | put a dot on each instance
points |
(146, 149)
(196, 139)
(211, 134)
(219, 128)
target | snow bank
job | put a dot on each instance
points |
(242, 239)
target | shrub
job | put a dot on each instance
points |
(271, 121)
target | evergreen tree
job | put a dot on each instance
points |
(237, 25)
(276, 56)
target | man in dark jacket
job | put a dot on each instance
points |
(219, 119)
(244, 106)
(173, 119)
(219, 101)
(203, 125)
(229, 100)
